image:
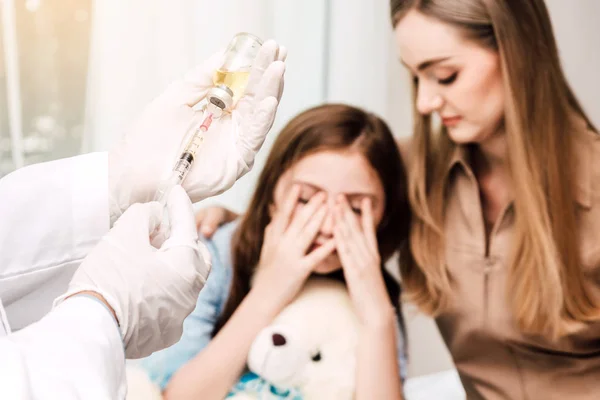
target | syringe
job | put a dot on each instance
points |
(219, 99)
(185, 161)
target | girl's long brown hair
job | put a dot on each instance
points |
(335, 127)
(547, 289)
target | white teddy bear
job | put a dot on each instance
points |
(308, 352)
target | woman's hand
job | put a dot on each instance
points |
(284, 263)
(356, 243)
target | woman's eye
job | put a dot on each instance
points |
(448, 80)
(302, 200)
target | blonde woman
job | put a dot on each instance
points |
(505, 238)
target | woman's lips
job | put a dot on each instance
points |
(451, 121)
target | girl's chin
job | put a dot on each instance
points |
(329, 265)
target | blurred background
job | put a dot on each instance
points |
(74, 74)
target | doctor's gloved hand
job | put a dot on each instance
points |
(147, 153)
(151, 290)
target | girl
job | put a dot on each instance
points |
(330, 201)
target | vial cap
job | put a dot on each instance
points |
(221, 96)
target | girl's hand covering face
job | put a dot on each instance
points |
(284, 264)
(356, 243)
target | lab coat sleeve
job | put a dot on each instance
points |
(51, 215)
(74, 352)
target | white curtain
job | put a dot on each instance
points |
(363, 67)
(139, 46)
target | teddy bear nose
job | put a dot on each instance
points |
(278, 339)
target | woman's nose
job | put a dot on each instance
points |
(428, 99)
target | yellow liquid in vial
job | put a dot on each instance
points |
(234, 80)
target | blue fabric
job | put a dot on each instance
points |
(198, 326)
(250, 383)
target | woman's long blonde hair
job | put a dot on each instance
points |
(547, 290)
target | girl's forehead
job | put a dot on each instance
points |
(335, 172)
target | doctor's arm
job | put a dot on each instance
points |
(53, 214)
(75, 351)
(128, 299)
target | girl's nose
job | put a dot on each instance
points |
(328, 224)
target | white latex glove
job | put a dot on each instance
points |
(150, 290)
(148, 152)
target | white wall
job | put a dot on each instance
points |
(577, 31)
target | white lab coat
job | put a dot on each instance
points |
(74, 352)
(51, 216)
